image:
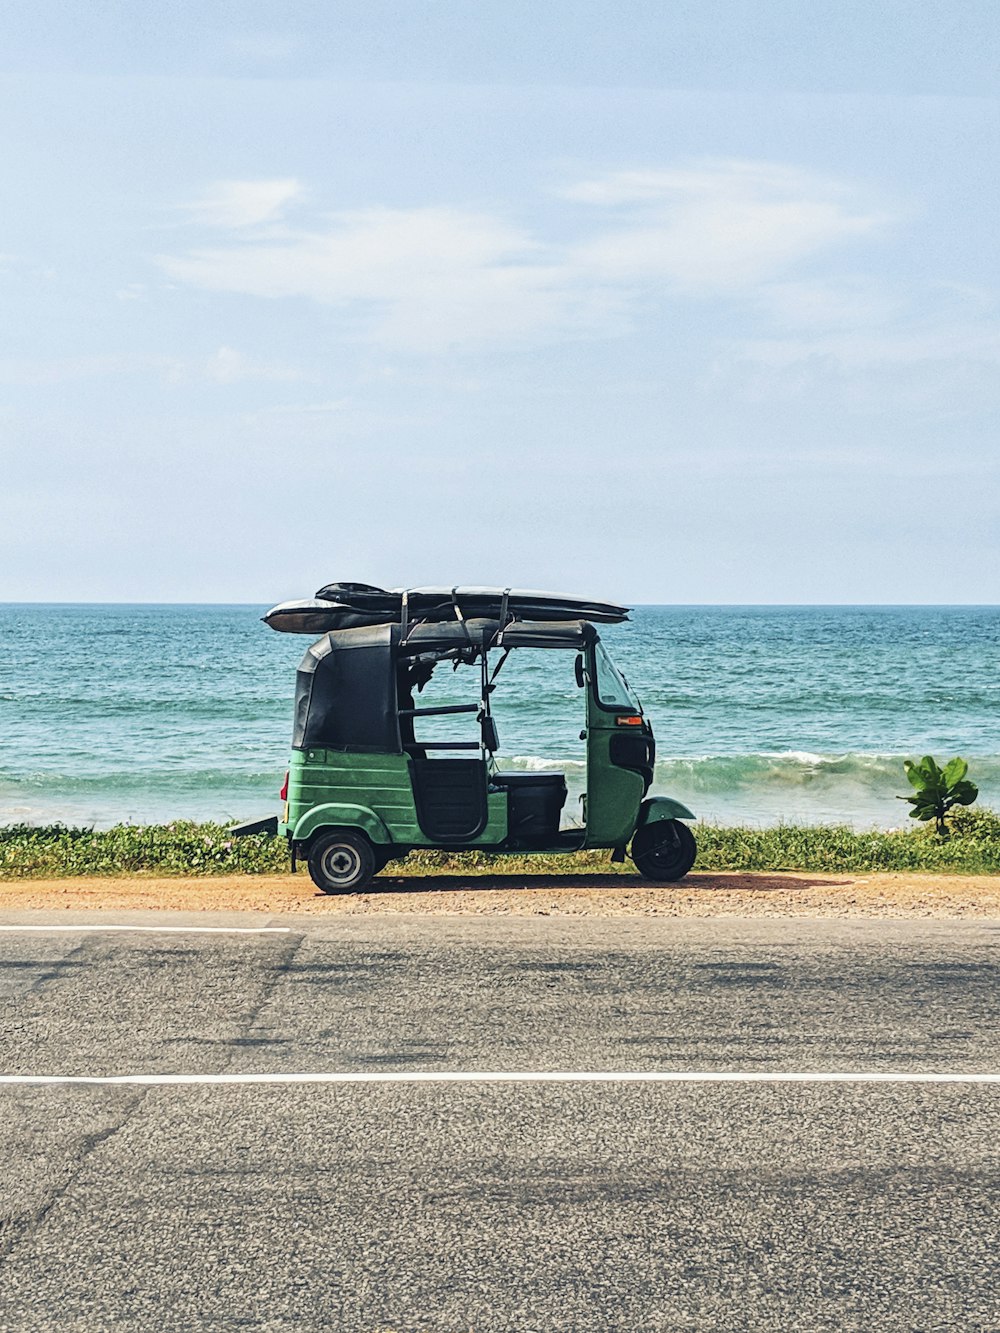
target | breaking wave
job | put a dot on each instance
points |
(794, 786)
(770, 787)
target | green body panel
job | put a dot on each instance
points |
(658, 808)
(613, 793)
(376, 783)
(341, 815)
(371, 792)
(495, 831)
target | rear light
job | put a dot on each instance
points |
(634, 721)
(283, 794)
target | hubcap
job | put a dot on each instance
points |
(341, 863)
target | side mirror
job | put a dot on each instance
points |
(581, 678)
(489, 731)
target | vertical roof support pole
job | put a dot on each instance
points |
(484, 708)
(460, 615)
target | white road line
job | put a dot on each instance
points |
(161, 930)
(511, 1076)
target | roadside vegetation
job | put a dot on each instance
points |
(55, 851)
(938, 790)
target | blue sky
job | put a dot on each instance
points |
(664, 302)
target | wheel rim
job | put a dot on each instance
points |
(664, 859)
(341, 863)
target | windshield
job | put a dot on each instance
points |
(612, 688)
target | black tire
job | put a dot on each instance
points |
(664, 851)
(341, 861)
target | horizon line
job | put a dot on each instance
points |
(25, 602)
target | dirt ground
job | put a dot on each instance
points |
(699, 895)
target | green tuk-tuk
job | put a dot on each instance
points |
(362, 790)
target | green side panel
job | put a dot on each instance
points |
(373, 792)
(662, 807)
(341, 815)
(496, 822)
(613, 793)
(379, 783)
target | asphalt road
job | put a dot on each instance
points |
(501, 1206)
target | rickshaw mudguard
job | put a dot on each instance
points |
(658, 808)
(340, 814)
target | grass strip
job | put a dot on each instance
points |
(182, 848)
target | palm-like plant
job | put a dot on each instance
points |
(938, 789)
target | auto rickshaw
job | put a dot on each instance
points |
(362, 790)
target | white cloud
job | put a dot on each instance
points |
(364, 256)
(722, 226)
(237, 204)
(427, 278)
(715, 176)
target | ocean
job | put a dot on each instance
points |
(762, 714)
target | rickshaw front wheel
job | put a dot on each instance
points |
(664, 851)
(341, 861)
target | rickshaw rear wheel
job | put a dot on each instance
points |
(664, 851)
(341, 861)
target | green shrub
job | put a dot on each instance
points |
(185, 848)
(181, 848)
(938, 789)
(979, 825)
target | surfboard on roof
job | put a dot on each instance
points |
(351, 605)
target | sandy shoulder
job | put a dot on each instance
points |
(699, 895)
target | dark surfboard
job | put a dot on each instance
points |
(349, 605)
